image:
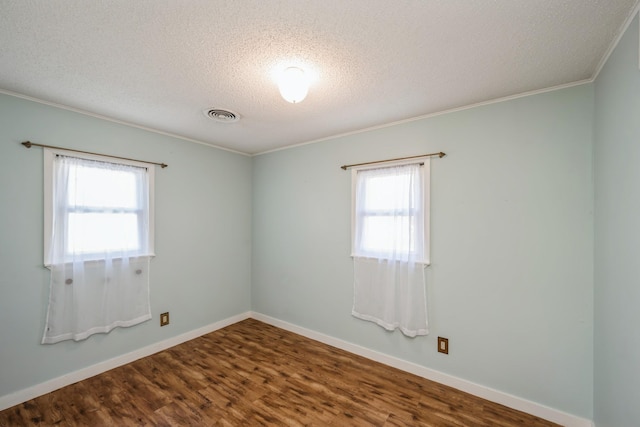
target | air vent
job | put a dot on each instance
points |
(222, 116)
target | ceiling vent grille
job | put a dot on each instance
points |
(222, 116)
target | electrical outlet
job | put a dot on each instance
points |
(443, 345)
(164, 319)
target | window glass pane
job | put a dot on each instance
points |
(389, 192)
(386, 234)
(102, 187)
(100, 232)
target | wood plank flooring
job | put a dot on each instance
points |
(253, 374)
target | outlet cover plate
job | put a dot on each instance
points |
(443, 345)
(164, 319)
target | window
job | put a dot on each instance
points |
(105, 207)
(98, 244)
(390, 212)
(390, 231)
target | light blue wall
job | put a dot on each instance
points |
(201, 273)
(511, 284)
(617, 237)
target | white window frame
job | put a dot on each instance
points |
(49, 157)
(426, 198)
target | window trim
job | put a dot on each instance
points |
(49, 156)
(426, 202)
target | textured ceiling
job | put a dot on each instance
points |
(160, 63)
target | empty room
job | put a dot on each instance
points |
(328, 213)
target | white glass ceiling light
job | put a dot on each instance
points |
(293, 85)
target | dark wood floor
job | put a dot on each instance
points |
(253, 374)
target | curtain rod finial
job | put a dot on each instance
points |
(441, 154)
(27, 144)
(163, 165)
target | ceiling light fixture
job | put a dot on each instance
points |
(293, 85)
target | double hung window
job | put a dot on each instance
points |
(390, 213)
(98, 244)
(390, 246)
(101, 209)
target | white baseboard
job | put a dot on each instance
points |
(487, 393)
(90, 371)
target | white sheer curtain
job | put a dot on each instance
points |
(98, 250)
(389, 248)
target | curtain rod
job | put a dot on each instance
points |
(30, 144)
(440, 155)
